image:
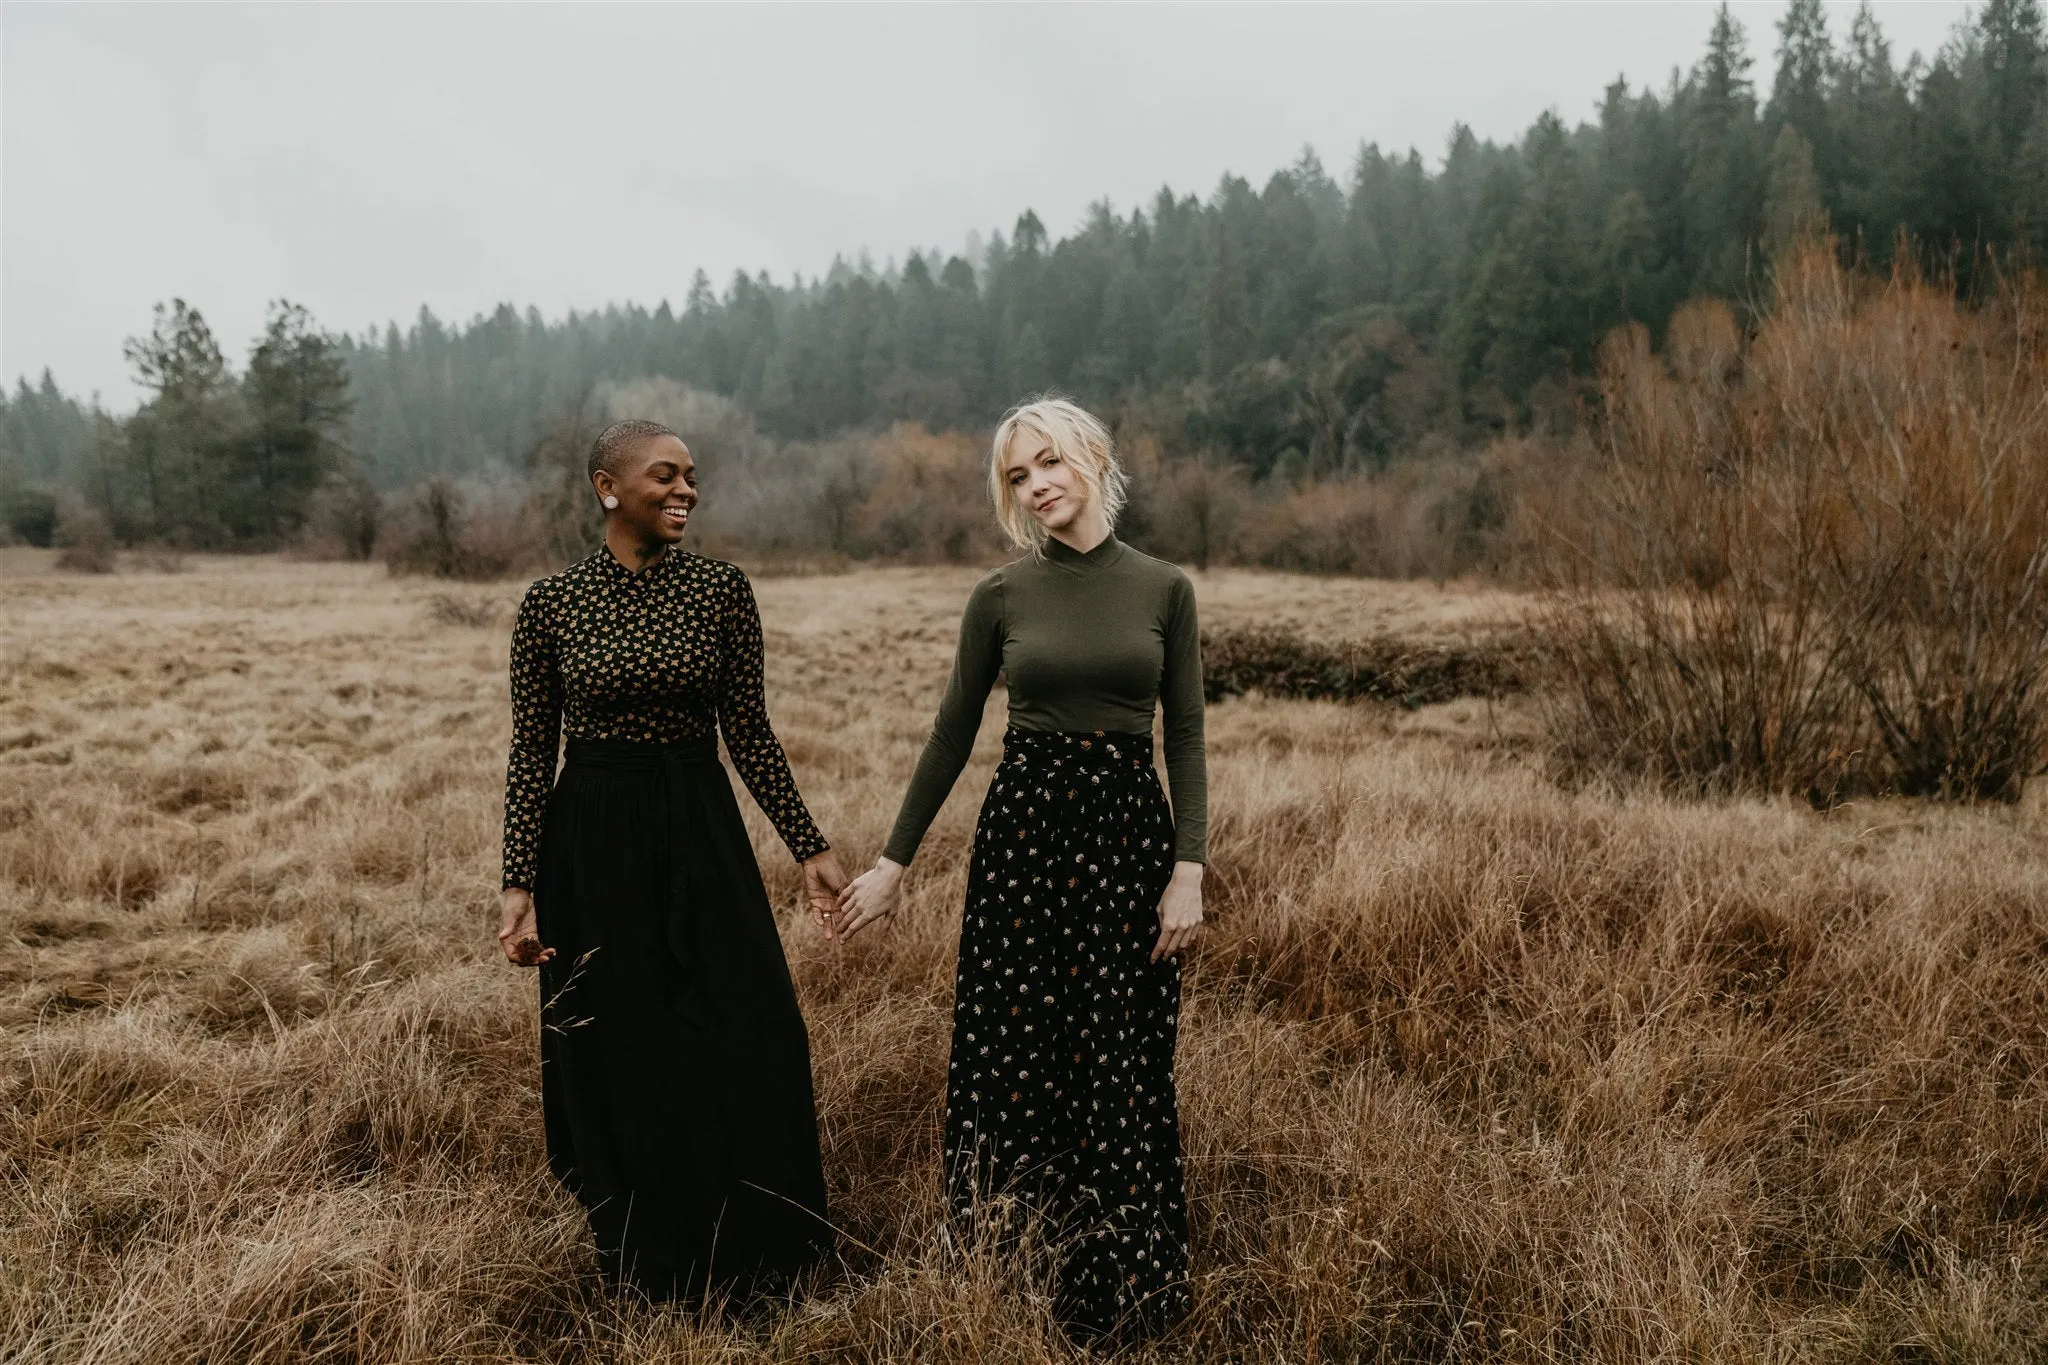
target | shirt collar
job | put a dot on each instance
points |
(1101, 557)
(614, 571)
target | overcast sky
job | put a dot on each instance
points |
(367, 159)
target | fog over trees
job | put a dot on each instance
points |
(1329, 322)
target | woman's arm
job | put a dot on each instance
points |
(976, 662)
(536, 736)
(1180, 705)
(1187, 773)
(743, 717)
(529, 772)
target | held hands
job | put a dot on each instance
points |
(876, 893)
(824, 880)
(516, 932)
(867, 898)
(1180, 911)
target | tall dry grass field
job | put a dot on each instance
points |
(1472, 1067)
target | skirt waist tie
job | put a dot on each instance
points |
(672, 764)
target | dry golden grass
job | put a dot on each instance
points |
(1472, 1068)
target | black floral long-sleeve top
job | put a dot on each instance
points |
(671, 654)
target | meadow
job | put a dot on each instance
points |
(1475, 1065)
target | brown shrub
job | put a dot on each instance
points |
(1813, 560)
(1423, 519)
(1281, 663)
(85, 542)
(444, 532)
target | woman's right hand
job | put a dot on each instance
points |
(517, 934)
(868, 897)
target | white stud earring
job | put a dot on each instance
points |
(610, 501)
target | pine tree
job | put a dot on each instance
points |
(297, 395)
(1806, 61)
(1792, 207)
(180, 438)
(1723, 188)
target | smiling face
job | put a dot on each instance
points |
(1046, 488)
(656, 485)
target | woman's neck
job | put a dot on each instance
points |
(633, 552)
(1084, 532)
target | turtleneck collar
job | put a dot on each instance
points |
(1101, 557)
(615, 569)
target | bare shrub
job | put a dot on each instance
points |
(445, 532)
(1812, 561)
(1193, 507)
(453, 609)
(344, 518)
(788, 506)
(719, 430)
(929, 499)
(85, 542)
(1932, 422)
(1422, 519)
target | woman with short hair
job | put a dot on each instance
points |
(1083, 887)
(675, 1070)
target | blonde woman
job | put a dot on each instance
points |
(1083, 887)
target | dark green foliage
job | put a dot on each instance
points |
(45, 432)
(29, 512)
(211, 459)
(1306, 325)
(297, 395)
(1279, 663)
(1300, 326)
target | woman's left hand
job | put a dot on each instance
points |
(1180, 911)
(823, 881)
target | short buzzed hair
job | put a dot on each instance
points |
(616, 440)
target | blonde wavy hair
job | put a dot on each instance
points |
(1078, 437)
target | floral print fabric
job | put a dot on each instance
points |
(1060, 1091)
(669, 655)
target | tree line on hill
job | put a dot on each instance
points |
(1305, 331)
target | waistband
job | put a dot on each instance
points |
(1105, 748)
(623, 755)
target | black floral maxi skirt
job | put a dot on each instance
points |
(1060, 1089)
(675, 1070)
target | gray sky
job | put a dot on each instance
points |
(366, 159)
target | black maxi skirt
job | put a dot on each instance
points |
(675, 1071)
(1060, 1091)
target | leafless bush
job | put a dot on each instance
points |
(454, 609)
(719, 431)
(1813, 560)
(929, 500)
(788, 505)
(1194, 507)
(85, 542)
(445, 532)
(1424, 519)
(343, 519)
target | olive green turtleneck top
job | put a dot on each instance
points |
(1086, 642)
